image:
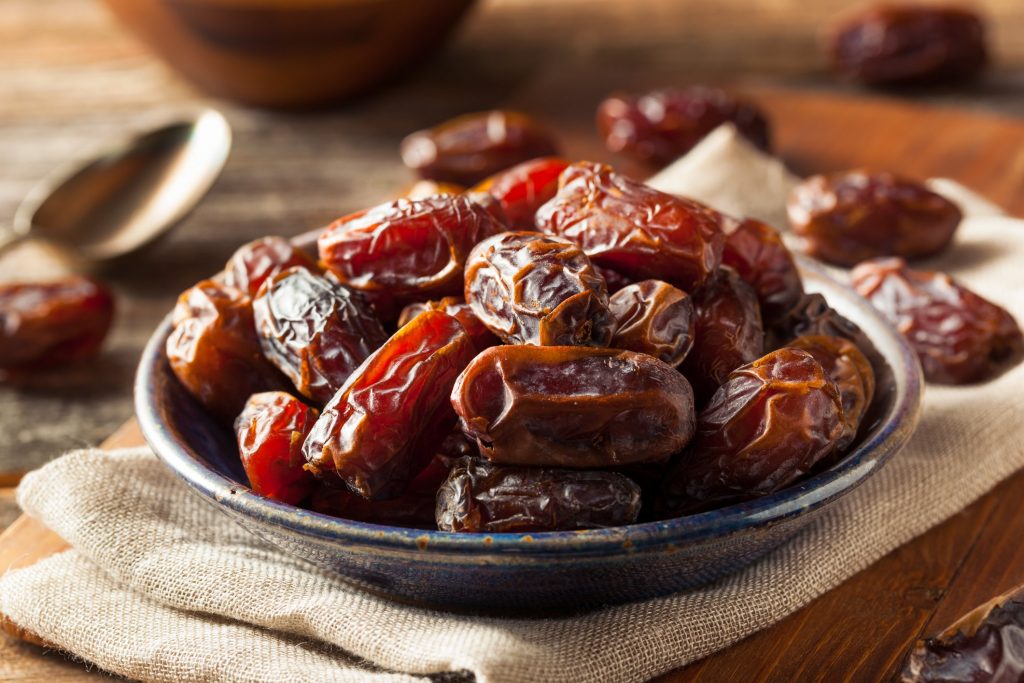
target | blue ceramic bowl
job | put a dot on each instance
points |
(545, 571)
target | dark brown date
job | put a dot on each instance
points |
(530, 288)
(522, 189)
(845, 218)
(634, 229)
(48, 324)
(458, 309)
(253, 263)
(614, 279)
(655, 318)
(813, 316)
(959, 336)
(214, 351)
(895, 44)
(727, 332)
(573, 406)
(660, 126)
(757, 254)
(481, 497)
(390, 417)
(410, 249)
(270, 431)
(851, 371)
(314, 330)
(468, 148)
(768, 425)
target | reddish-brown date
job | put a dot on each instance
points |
(256, 261)
(892, 44)
(851, 371)
(531, 288)
(458, 309)
(522, 189)
(468, 148)
(390, 417)
(655, 318)
(847, 217)
(727, 332)
(768, 425)
(48, 324)
(422, 189)
(757, 254)
(214, 351)
(614, 279)
(959, 336)
(813, 316)
(659, 126)
(410, 249)
(478, 496)
(634, 229)
(573, 406)
(270, 432)
(314, 330)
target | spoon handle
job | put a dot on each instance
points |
(9, 239)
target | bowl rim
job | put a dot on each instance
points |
(886, 439)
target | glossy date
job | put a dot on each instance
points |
(251, 265)
(270, 431)
(757, 254)
(655, 318)
(458, 309)
(522, 189)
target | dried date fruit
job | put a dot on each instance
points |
(530, 288)
(851, 371)
(959, 336)
(481, 497)
(768, 425)
(614, 279)
(634, 229)
(253, 263)
(522, 189)
(314, 330)
(727, 332)
(390, 417)
(270, 432)
(468, 148)
(906, 43)
(457, 445)
(813, 316)
(573, 406)
(655, 318)
(48, 324)
(660, 126)
(409, 249)
(458, 309)
(757, 254)
(214, 350)
(845, 218)
(422, 189)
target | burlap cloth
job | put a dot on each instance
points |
(160, 586)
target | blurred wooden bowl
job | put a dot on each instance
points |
(290, 53)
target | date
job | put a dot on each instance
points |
(573, 406)
(422, 189)
(253, 263)
(757, 254)
(270, 432)
(522, 189)
(655, 318)
(458, 309)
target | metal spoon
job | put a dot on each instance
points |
(129, 195)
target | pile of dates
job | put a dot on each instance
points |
(558, 347)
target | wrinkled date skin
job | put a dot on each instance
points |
(408, 249)
(851, 371)
(655, 318)
(845, 218)
(573, 406)
(813, 316)
(522, 189)
(214, 350)
(250, 266)
(757, 254)
(614, 279)
(662, 125)
(727, 332)
(768, 424)
(634, 229)
(480, 497)
(315, 331)
(270, 432)
(390, 417)
(530, 288)
(469, 148)
(458, 309)
(49, 324)
(897, 44)
(959, 336)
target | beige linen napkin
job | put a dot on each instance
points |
(162, 587)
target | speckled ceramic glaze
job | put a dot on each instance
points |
(547, 571)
